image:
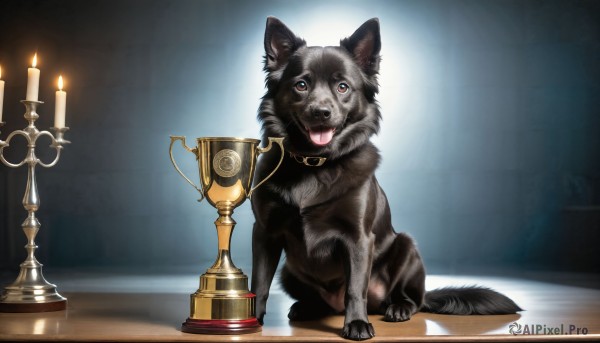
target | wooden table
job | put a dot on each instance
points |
(151, 308)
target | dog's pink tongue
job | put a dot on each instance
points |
(321, 137)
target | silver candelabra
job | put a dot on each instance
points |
(31, 292)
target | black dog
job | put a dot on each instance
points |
(324, 206)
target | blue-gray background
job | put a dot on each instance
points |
(490, 135)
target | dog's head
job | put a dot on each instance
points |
(322, 99)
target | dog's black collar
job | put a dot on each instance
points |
(308, 160)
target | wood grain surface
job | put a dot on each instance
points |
(110, 309)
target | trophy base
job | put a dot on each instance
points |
(33, 307)
(221, 326)
(222, 305)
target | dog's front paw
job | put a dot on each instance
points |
(260, 312)
(358, 330)
(399, 312)
(261, 318)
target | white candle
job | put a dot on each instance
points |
(33, 81)
(1, 93)
(61, 104)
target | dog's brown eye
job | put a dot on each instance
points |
(343, 87)
(301, 86)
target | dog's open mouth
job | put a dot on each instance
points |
(321, 135)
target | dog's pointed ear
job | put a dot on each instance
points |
(365, 45)
(280, 44)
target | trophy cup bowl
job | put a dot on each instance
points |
(223, 304)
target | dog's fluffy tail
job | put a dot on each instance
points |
(468, 300)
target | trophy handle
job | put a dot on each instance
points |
(194, 151)
(279, 141)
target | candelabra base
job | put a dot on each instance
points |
(60, 305)
(31, 293)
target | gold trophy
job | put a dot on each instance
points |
(223, 304)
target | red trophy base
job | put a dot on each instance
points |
(221, 326)
(33, 307)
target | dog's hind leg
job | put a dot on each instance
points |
(408, 291)
(309, 304)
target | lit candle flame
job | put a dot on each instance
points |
(60, 83)
(34, 62)
(0, 72)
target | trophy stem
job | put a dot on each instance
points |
(225, 225)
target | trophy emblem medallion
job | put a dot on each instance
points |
(227, 163)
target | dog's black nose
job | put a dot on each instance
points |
(321, 113)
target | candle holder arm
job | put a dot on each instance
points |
(5, 144)
(57, 143)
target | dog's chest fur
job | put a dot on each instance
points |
(315, 206)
